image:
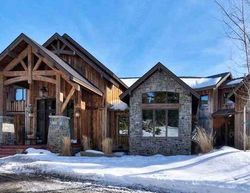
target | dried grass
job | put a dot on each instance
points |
(203, 139)
(85, 142)
(107, 144)
(66, 149)
(248, 142)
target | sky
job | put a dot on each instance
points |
(130, 36)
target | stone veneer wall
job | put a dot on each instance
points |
(58, 129)
(7, 138)
(160, 81)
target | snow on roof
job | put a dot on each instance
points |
(129, 81)
(234, 81)
(200, 82)
(193, 82)
(119, 105)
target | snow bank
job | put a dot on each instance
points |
(33, 151)
(223, 171)
(94, 152)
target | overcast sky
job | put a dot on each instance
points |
(129, 37)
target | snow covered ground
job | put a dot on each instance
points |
(223, 171)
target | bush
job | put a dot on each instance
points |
(107, 144)
(66, 150)
(85, 142)
(203, 139)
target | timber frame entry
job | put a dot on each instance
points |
(24, 62)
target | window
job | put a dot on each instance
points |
(173, 122)
(155, 123)
(123, 125)
(160, 123)
(173, 97)
(204, 100)
(20, 94)
(160, 97)
(227, 101)
(147, 123)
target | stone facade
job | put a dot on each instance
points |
(160, 81)
(58, 129)
(7, 135)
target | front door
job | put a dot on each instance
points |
(45, 108)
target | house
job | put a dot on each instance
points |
(58, 89)
(161, 109)
(215, 111)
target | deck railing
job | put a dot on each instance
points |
(16, 106)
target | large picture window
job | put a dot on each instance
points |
(160, 97)
(160, 123)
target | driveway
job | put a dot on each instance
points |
(10, 183)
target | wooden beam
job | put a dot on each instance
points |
(38, 64)
(160, 106)
(66, 52)
(44, 79)
(30, 63)
(71, 93)
(54, 48)
(15, 61)
(1, 95)
(24, 65)
(12, 54)
(16, 79)
(44, 73)
(14, 73)
(58, 91)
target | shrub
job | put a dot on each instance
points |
(107, 144)
(203, 139)
(85, 142)
(66, 150)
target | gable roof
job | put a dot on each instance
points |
(58, 62)
(158, 66)
(86, 56)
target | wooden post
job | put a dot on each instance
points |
(1, 95)
(30, 63)
(58, 93)
(79, 101)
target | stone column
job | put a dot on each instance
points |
(58, 129)
(7, 130)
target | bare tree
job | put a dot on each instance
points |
(236, 19)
